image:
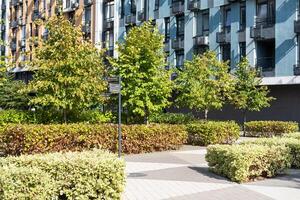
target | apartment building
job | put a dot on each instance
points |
(265, 31)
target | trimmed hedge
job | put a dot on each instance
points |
(86, 175)
(19, 139)
(172, 118)
(243, 163)
(270, 128)
(292, 143)
(213, 132)
(292, 135)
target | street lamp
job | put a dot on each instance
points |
(115, 88)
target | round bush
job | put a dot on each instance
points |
(211, 132)
(270, 128)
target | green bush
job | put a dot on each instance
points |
(19, 139)
(270, 128)
(292, 143)
(172, 118)
(86, 175)
(292, 135)
(25, 183)
(14, 116)
(210, 132)
(243, 163)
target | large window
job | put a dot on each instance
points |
(226, 50)
(242, 16)
(227, 18)
(133, 6)
(179, 59)
(242, 49)
(167, 29)
(109, 10)
(205, 22)
(180, 26)
(265, 12)
(156, 5)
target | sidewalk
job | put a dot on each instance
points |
(184, 175)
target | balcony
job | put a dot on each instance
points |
(130, 19)
(13, 3)
(167, 46)
(194, 5)
(297, 26)
(38, 15)
(13, 45)
(266, 66)
(14, 24)
(178, 44)
(177, 8)
(297, 69)
(108, 24)
(141, 16)
(88, 2)
(264, 29)
(200, 41)
(86, 28)
(224, 37)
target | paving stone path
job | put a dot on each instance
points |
(184, 175)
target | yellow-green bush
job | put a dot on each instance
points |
(242, 163)
(292, 143)
(19, 139)
(172, 118)
(213, 132)
(86, 175)
(292, 135)
(270, 128)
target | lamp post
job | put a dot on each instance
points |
(115, 88)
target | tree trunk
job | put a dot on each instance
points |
(244, 122)
(146, 117)
(65, 115)
(205, 114)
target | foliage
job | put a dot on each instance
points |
(86, 175)
(291, 143)
(270, 128)
(248, 94)
(204, 83)
(292, 135)
(13, 116)
(19, 139)
(243, 163)
(172, 118)
(25, 183)
(146, 85)
(69, 70)
(213, 132)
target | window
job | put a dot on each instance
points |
(109, 10)
(87, 14)
(242, 17)
(242, 49)
(122, 8)
(266, 12)
(68, 3)
(226, 52)
(133, 6)
(227, 20)
(36, 4)
(205, 22)
(109, 40)
(156, 5)
(180, 26)
(179, 59)
(167, 29)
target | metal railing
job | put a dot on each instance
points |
(266, 66)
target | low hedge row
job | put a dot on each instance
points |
(172, 118)
(292, 144)
(213, 132)
(270, 128)
(292, 135)
(86, 175)
(243, 163)
(16, 139)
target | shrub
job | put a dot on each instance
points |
(86, 175)
(292, 135)
(210, 132)
(13, 116)
(243, 163)
(292, 143)
(270, 128)
(172, 118)
(27, 139)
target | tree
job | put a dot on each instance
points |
(146, 85)
(69, 72)
(248, 94)
(204, 83)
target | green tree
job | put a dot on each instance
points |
(204, 84)
(146, 85)
(248, 94)
(69, 72)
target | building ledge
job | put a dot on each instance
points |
(281, 80)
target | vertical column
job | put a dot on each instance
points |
(98, 22)
(117, 17)
(214, 27)
(189, 34)
(235, 22)
(285, 38)
(250, 43)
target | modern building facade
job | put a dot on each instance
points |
(267, 32)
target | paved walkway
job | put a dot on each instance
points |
(184, 175)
